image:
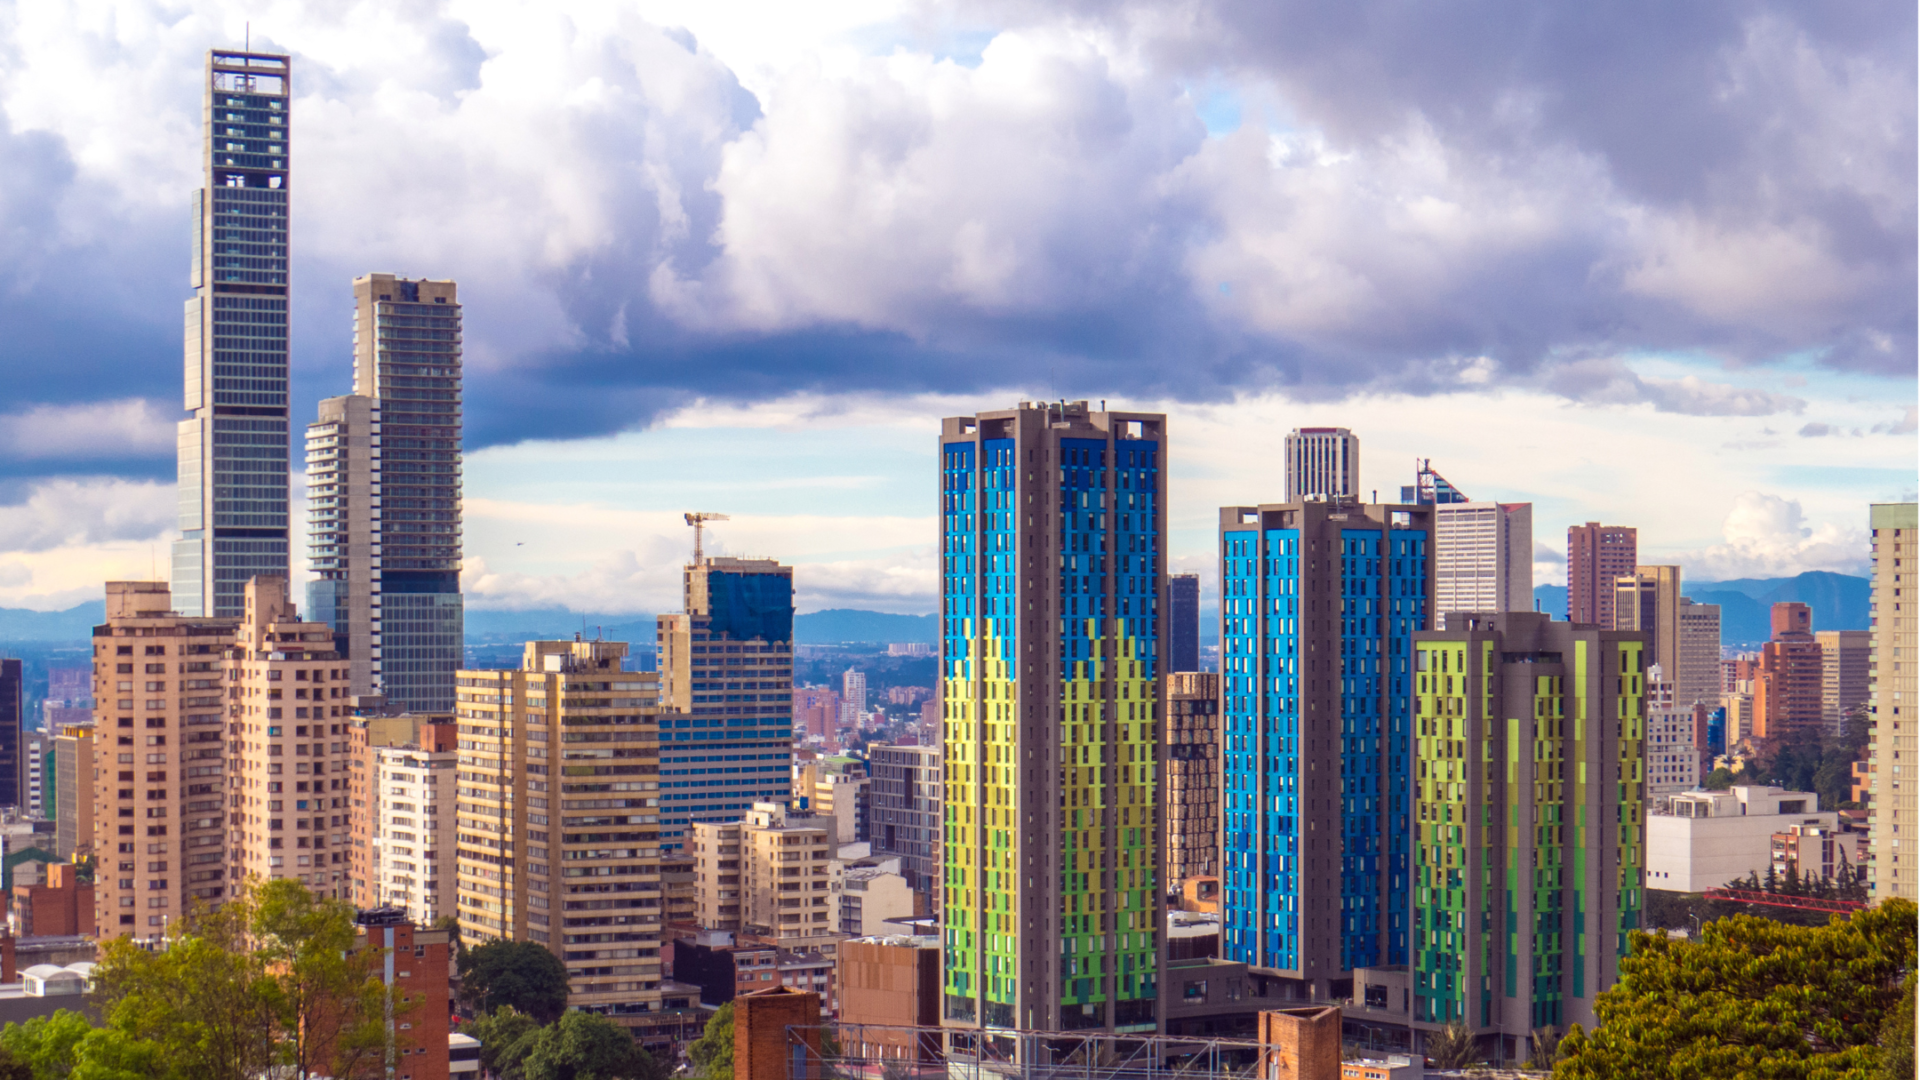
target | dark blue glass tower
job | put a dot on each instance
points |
(1319, 605)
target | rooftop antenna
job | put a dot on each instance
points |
(698, 520)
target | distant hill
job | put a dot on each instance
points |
(74, 624)
(555, 623)
(1839, 602)
(837, 625)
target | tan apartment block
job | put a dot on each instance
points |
(289, 710)
(1891, 717)
(157, 831)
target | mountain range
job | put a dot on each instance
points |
(1839, 602)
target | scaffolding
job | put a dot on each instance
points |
(894, 1052)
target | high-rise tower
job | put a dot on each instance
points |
(726, 671)
(1890, 700)
(1183, 622)
(1483, 556)
(233, 449)
(1597, 556)
(1322, 463)
(1053, 661)
(1319, 606)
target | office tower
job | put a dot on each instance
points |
(343, 532)
(291, 800)
(593, 897)
(1429, 488)
(1322, 463)
(1787, 681)
(1698, 679)
(233, 449)
(853, 698)
(1890, 698)
(160, 789)
(1320, 604)
(411, 817)
(905, 806)
(1675, 737)
(406, 356)
(1053, 634)
(1482, 557)
(1531, 831)
(73, 776)
(12, 731)
(1192, 741)
(34, 747)
(1183, 622)
(1598, 556)
(1843, 674)
(726, 671)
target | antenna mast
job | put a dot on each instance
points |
(698, 520)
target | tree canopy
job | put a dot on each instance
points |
(712, 1052)
(578, 1046)
(523, 975)
(1751, 997)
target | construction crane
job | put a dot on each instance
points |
(699, 520)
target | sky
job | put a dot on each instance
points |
(1647, 264)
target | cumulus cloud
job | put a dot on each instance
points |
(628, 581)
(1611, 381)
(1906, 425)
(72, 512)
(1769, 536)
(128, 428)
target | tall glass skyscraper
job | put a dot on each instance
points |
(233, 450)
(1320, 602)
(1053, 664)
(726, 671)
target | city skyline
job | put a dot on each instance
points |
(1728, 373)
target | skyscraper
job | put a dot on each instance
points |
(726, 671)
(1699, 676)
(1843, 674)
(1183, 622)
(1597, 556)
(1052, 667)
(1531, 831)
(343, 531)
(1322, 463)
(1890, 708)
(1787, 683)
(1319, 606)
(233, 449)
(853, 697)
(1482, 557)
(1647, 599)
(12, 729)
(1192, 739)
(905, 806)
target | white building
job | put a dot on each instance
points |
(412, 851)
(853, 698)
(1704, 839)
(1482, 557)
(1673, 758)
(1322, 463)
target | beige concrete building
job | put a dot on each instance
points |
(411, 817)
(766, 875)
(867, 898)
(1698, 679)
(717, 900)
(289, 709)
(1682, 637)
(1192, 739)
(73, 780)
(558, 832)
(159, 791)
(1843, 673)
(1704, 839)
(1482, 557)
(1672, 745)
(1891, 703)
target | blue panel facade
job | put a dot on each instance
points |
(751, 607)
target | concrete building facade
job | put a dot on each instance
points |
(1483, 557)
(160, 789)
(343, 531)
(1597, 557)
(1053, 558)
(74, 776)
(726, 672)
(1192, 741)
(1320, 604)
(905, 804)
(1705, 839)
(1322, 463)
(1891, 700)
(1787, 681)
(233, 452)
(412, 818)
(1675, 738)
(1843, 674)
(288, 710)
(12, 732)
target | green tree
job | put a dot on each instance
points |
(66, 1046)
(522, 974)
(587, 1046)
(1896, 1038)
(204, 1000)
(1752, 997)
(1453, 1047)
(329, 1007)
(505, 1036)
(712, 1052)
(1718, 780)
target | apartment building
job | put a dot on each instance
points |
(411, 814)
(159, 820)
(1192, 739)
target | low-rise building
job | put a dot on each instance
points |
(885, 984)
(1704, 839)
(867, 897)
